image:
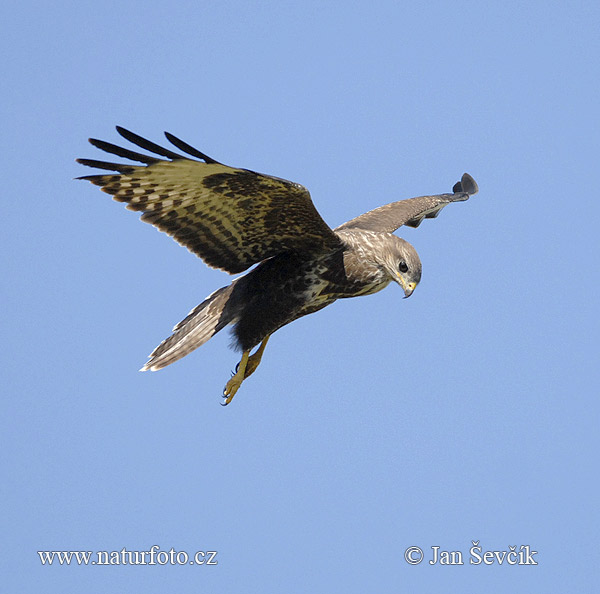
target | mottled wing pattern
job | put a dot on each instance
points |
(231, 218)
(412, 211)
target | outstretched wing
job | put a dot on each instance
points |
(231, 218)
(412, 211)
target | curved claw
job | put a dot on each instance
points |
(234, 383)
(225, 399)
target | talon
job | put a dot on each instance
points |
(228, 395)
(231, 388)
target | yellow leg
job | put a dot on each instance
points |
(254, 360)
(233, 385)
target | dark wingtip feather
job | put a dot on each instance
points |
(97, 180)
(148, 144)
(186, 148)
(469, 185)
(113, 149)
(106, 165)
(466, 184)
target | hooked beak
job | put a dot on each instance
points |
(408, 288)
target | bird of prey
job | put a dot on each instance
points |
(235, 218)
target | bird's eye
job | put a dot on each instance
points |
(403, 267)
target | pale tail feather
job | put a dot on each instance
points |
(203, 322)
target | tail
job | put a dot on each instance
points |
(203, 322)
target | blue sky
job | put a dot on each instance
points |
(468, 412)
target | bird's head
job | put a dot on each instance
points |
(402, 264)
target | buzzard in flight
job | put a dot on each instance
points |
(234, 218)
